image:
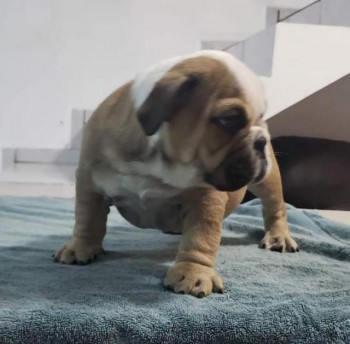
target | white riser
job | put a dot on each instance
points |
(39, 173)
(39, 156)
(260, 50)
(48, 156)
(9, 156)
(301, 68)
(37, 189)
(79, 119)
(288, 4)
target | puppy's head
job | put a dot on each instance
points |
(206, 111)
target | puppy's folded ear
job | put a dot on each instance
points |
(169, 95)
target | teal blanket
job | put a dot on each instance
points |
(269, 297)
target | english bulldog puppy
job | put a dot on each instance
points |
(176, 149)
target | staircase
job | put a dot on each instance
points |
(303, 49)
(324, 114)
(301, 53)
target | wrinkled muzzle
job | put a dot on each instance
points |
(248, 165)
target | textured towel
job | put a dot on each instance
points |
(269, 297)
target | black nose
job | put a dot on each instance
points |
(260, 144)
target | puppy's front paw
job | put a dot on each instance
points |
(281, 242)
(195, 279)
(77, 251)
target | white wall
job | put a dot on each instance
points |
(60, 55)
(293, 4)
(306, 59)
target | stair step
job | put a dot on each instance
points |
(36, 190)
(40, 156)
(39, 173)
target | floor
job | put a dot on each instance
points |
(58, 181)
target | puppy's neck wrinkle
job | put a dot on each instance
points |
(155, 151)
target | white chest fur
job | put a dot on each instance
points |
(151, 179)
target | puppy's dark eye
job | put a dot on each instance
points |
(229, 122)
(233, 121)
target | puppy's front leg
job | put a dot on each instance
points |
(269, 190)
(91, 211)
(194, 270)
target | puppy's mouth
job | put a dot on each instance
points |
(230, 179)
(234, 174)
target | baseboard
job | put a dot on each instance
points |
(65, 156)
